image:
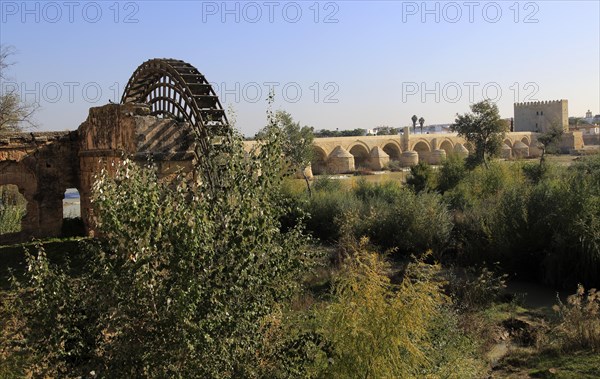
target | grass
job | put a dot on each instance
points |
(550, 364)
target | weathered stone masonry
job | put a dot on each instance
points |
(41, 166)
(44, 165)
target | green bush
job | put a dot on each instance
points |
(391, 216)
(421, 178)
(475, 287)
(535, 172)
(324, 209)
(387, 191)
(411, 223)
(543, 228)
(182, 281)
(451, 173)
(482, 214)
(395, 166)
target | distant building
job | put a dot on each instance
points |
(591, 119)
(437, 129)
(539, 116)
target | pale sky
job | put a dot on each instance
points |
(331, 64)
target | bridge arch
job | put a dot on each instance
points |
(447, 146)
(508, 142)
(393, 149)
(360, 151)
(319, 161)
(423, 149)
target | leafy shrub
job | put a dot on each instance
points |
(387, 191)
(380, 330)
(421, 178)
(589, 168)
(535, 172)
(487, 209)
(412, 223)
(391, 216)
(324, 208)
(451, 173)
(395, 166)
(182, 279)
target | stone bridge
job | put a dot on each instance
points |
(347, 154)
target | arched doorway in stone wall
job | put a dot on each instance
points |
(20, 185)
(72, 222)
(13, 208)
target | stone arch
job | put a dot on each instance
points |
(393, 149)
(422, 148)
(361, 155)
(446, 145)
(508, 143)
(319, 162)
(525, 140)
(16, 173)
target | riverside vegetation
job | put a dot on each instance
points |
(250, 276)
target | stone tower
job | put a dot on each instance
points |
(539, 116)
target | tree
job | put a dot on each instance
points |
(386, 131)
(414, 121)
(297, 143)
(15, 113)
(421, 122)
(358, 132)
(548, 140)
(483, 128)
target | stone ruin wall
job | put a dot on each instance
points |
(41, 166)
(114, 132)
(44, 165)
